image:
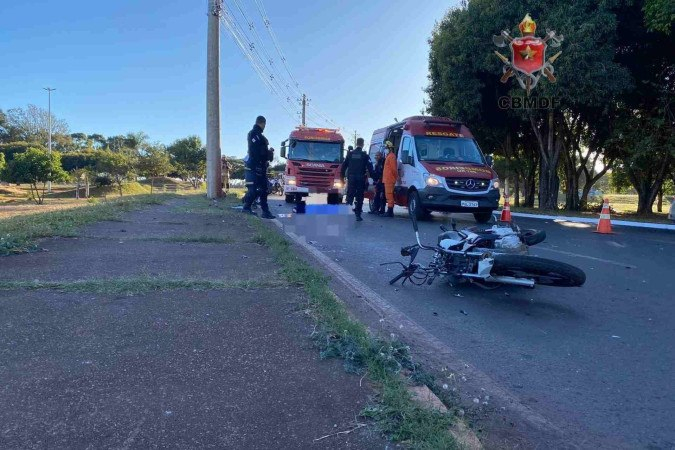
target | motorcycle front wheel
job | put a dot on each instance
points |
(543, 271)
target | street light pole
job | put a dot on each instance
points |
(49, 94)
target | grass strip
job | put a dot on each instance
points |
(137, 285)
(17, 234)
(384, 362)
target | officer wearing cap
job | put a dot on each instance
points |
(357, 166)
(259, 157)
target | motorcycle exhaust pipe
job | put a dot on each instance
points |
(514, 281)
(524, 282)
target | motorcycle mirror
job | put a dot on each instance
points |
(444, 228)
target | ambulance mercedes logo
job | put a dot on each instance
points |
(528, 55)
(470, 184)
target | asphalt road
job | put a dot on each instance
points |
(596, 361)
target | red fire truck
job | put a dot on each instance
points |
(314, 157)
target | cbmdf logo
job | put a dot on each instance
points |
(528, 55)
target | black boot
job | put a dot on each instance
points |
(389, 213)
(268, 215)
(358, 217)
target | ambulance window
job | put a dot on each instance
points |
(373, 149)
(406, 144)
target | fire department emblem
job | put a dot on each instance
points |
(528, 55)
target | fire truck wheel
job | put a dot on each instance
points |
(290, 198)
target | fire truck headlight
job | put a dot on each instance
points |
(337, 184)
(291, 181)
(495, 183)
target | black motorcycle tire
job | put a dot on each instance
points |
(532, 237)
(543, 271)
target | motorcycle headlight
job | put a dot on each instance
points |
(495, 183)
(291, 181)
(434, 181)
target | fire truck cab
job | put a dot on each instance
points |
(313, 160)
(441, 168)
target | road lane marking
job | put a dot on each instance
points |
(608, 261)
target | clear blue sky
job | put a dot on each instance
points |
(129, 65)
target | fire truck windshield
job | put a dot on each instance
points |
(315, 151)
(448, 150)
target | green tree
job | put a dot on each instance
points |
(12, 148)
(464, 83)
(154, 162)
(119, 166)
(98, 141)
(188, 156)
(82, 166)
(32, 124)
(643, 131)
(3, 164)
(659, 15)
(36, 167)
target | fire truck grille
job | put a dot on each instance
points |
(315, 177)
(468, 184)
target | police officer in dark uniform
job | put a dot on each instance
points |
(357, 166)
(259, 157)
(350, 199)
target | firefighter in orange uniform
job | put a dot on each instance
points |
(390, 177)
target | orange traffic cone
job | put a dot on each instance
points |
(506, 210)
(604, 224)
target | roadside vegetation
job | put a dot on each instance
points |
(615, 122)
(387, 364)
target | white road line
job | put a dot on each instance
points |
(616, 263)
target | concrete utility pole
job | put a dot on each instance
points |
(355, 138)
(213, 169)
(49, 95)
(304, 108)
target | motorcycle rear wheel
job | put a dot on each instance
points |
(543, 271)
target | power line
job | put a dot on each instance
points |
(275, 41)
(264, 65)
(258, 66)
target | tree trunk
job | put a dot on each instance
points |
(77, 189)
(571, 185)
(549, 182)
(659, 201)
(86, 189)
(516, 191)
(152, 183)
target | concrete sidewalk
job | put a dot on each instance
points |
(96, 367)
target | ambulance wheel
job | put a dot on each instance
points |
(415, 206)
(290, 198)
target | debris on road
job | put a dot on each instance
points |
(464, 312)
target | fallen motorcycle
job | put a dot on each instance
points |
(488, 258)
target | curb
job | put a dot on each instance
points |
(619, 223)
(430, 347)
